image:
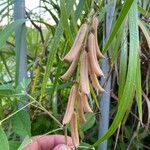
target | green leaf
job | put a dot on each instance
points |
(21, 88)
(143, 11)
(123, 62)
(65, 23)
(14, 145)
(139, 90)
(90, 121)
(21, 124)
(4, 34)
(7, 90)
(85, 146)
(79, 9)
(54, 46)
(116, 45)
(126, 98)
(3, 140)
(118, 23)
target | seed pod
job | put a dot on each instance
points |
(76, 48)
(74, 130)
(94, 80)
(92, 56)
(84, 79)
(80, 109)
(70, 105)
(95, 26)
(86, 106)
(71, 69)
(96, 84)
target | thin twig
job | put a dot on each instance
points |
(50, 114)
(16, 112)
(37, 27)
(117, 136)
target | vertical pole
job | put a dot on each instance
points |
(20, 46)
(20, 43)
(105, 99)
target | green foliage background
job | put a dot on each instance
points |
(47, 95)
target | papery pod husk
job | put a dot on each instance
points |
(95, 83)
(95, 23)
(74, 130)
(80, 109)
(92, 56)
(71, 69)
(70, 104)
(77, 46)
(84, 79)
(86, 106)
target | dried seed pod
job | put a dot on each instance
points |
(80, 109)
(92, 56)
(71, 69)
(95, 23)
(74, 130)
(76, 48)
(86, 106)
(84, 79)
(70, 105)
(94, 80)
(95, 83)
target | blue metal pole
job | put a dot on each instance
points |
(20, 42)
(20, 46)
(105, 99)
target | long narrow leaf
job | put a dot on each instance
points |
(65, 23)
(125, 99)
(118, 23)
(123, 63)
(4, 34)
(54, 46)
(139, 90)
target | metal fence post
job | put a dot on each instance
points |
(105, 99)
(20, 43)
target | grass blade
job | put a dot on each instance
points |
(125, 99)
(139, 90)
(118, 23)
(65, 23)
(4, 34)
(123, 63)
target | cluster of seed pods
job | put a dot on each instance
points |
(85, 54)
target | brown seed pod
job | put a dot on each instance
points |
(74, 130)
(84, 79)
(95, 23)
(94, 80)
(96, 84)
(71, 69)
(92, 56)
(76, 48)
(86, 106)
(80, 109)
(70, 105)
